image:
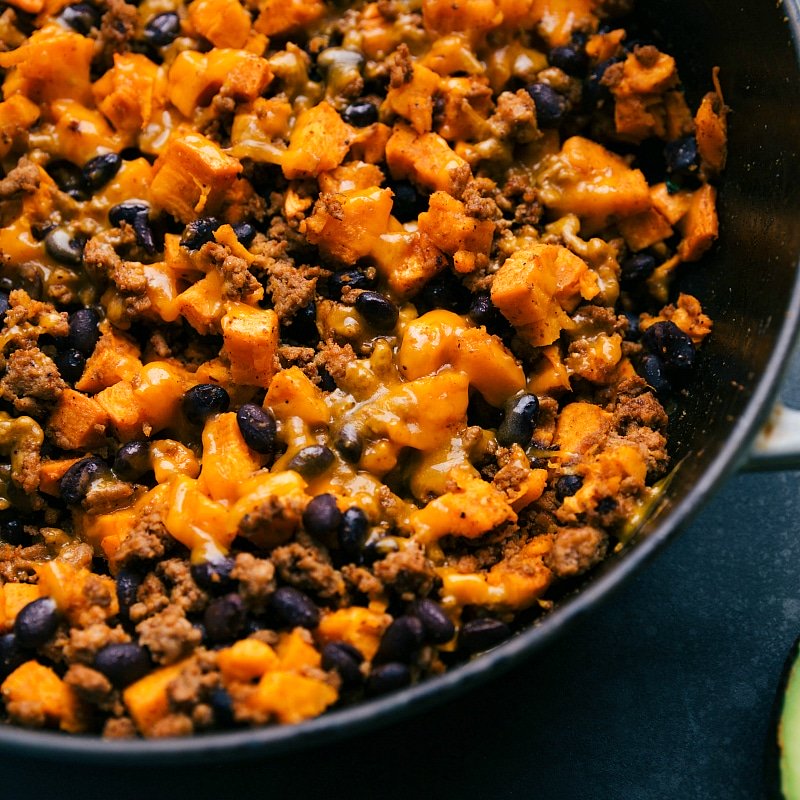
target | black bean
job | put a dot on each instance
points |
(98, 171)
(349, 444)
(36, 622)
(353, 531)
(378, 547)
(380, 312)
(606, 505)
(407, 203)
(654, 373)
(400, 641)
(64, 248)
(596, 90)
(83, 330)
(444, 291)
(222, 705)
(123, 663)
(3, 304)
(550, 105)
(162, 29)
(568, 485)
(127, 212)
(71, 364)
(137, 215)
(214, 576)
(482, 413)
(637, 268)
(322, 516)
(681, 156)
(345, 659)
(387, 678)
(482, 311)
(570, 58)
(199, 232)
(348, 278)
(633, 332)
(245, 233)
(312, 460)
(40, 229)
(224, 618)
(292, 608)
(68, 177)
(520, 419)
(78, 478)
(128, 583)
(11, 654)
(258, 428)
(12, 531)
(303, 326)
(360, 114)
(437, 625)
(81, 17)
(481, 634)
(204, 401)
(132, 460)
(674, 347)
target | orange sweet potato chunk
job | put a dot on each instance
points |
(413, 99)
(78, 422)
(251, 343)
(225, 23)
(319, 142)
(280, 17)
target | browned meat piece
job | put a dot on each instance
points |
(90, 685)
(185, 592)
(576, 550)
(32, 382)
(147, 541)
(256, 578)
(168, 635)
(84, 643)
(407, 571)
(24, 178)
(308, 568)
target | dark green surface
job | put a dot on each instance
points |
(664, 693)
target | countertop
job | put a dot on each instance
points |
(665, 692)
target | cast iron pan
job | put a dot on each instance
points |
(751, 288)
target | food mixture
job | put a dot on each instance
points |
(335, 339)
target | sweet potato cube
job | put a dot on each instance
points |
(195, 520)
(295, 652)
(474, 509)
(535, 288)
(711, 130)
(292, 394)
(147, 701)
(352, 175)
(476, 16)
(126, 93)
(225, 23)
(291, 698)
(644, 229)
(413, 100)
(671, 206)
(700, 226)
(581, 427)
(450, 228)
(594, 183)
(192, 176)
(81, 133)
(66, 584)
(246, 659)
(51, 472)
(124, 412)
(347, 226)
(15, 597)
(251, 343)
(407, 261)
(280, 17)
(319, 142)
(158, 389)
(555, 20)
(360, 627)
(202, 305)
(78, 422)
(115, 358)
(426, 160)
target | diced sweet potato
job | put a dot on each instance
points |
(292, 394)
(295, 652)
(700, 226)
(81, 596)
(413, 100)
(426, 160)
(535, 288)
(711, 130)
(581, 427)
(126, 93)
(476, 16)
(555, 20)
(356, 175)
(246, 660)
(195, 520)
(78, 422)
(51, 472)
(467, 106)
(549, 376)
(251, 343)
(115, 358)
(202, 305)
(477, 507)
(319, 142)
(225, 23)
(15, 597)
(590, 181)
(291, 698)
(123, 409)
(644, 229)
(671, 206)
(146, 699)
(440, 337)
(407, 260)
(360, 627)
(169, 457)
(346, 226)
(192, 176)
(280, 17)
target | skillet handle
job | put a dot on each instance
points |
(778, 444)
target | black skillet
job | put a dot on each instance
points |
(750, 286)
